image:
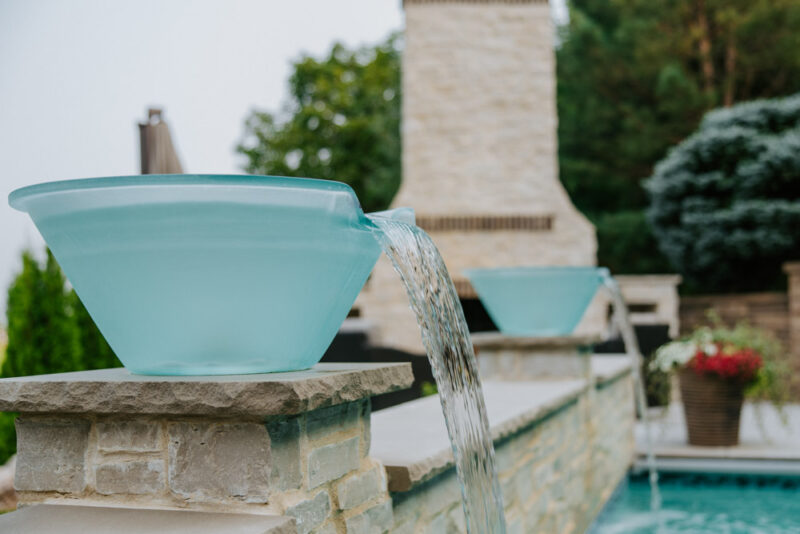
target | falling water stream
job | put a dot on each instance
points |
(446, 338)
(632, 349)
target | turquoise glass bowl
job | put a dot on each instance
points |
(196, 275)
(536, 301)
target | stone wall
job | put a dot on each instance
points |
(556, 473)
(765, 310)
(292, 444)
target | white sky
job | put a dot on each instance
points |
(77, 75)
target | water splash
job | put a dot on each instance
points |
(635, 354)
(446, 338)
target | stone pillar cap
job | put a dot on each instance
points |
(117, 391)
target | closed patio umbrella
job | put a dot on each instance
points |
(158, 154)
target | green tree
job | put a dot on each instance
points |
(42, 337)
(95, 352)
(726, 201)
(635, 77)
(342, 123)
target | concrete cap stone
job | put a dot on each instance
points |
(69, 519)
(117, 391)
(411, 439)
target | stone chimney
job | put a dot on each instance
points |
(480, 163)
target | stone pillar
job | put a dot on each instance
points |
(792, 271)
(285, 444)
(502, 357)
(480, 161)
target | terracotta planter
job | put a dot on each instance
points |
(712, 407)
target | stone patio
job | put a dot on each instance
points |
(767, 445)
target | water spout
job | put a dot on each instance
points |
(634, 353)
(446, 338)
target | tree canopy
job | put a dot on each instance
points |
(636, 76)
(726, 201)
(342, 122)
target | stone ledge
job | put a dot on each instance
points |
(608, 367)
(411, 440)
(69, 519)
(498, 341)
(117, 391)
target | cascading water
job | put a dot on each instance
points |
(446, 338)
(633, 351)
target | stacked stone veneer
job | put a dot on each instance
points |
(313, 467)
(211, 445)
(556, 472)
(504, 357)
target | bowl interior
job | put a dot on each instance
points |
(536, 301)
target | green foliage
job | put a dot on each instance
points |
(725, 203)
(636, 76)
(8, 436)
(342, 123)
(771, 383)
(49, 331)
(628, 245)
(41, 335)
(95, 353)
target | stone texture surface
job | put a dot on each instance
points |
(375, 520)
(206, 461)
(135, 477)
(342, 417)
(359, 488)
(117, 391)
(288, 464)
(53, 457)
(473, 145)
(129, 436)
(509, 358)
(60, 519)
(310, 513)
(285, 449)
(330, 462)
(411, 441)
(556, 471)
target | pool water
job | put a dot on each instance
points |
(699, 503)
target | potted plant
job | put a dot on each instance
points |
(717, 368)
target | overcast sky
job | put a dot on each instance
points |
(76, 76)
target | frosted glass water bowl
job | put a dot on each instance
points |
(536, 301)
(188, 274)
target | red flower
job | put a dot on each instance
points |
(729, 363)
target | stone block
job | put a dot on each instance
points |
(375, 520)
(217, 461)
(327, 528)
(330, 462)
(128, 436)
(310, 513)
(284, 436)
(135, 477)
(326, 421)
(52, 454)
(359, 488)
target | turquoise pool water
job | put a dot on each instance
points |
(697, 503)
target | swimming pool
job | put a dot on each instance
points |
(705, 503)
